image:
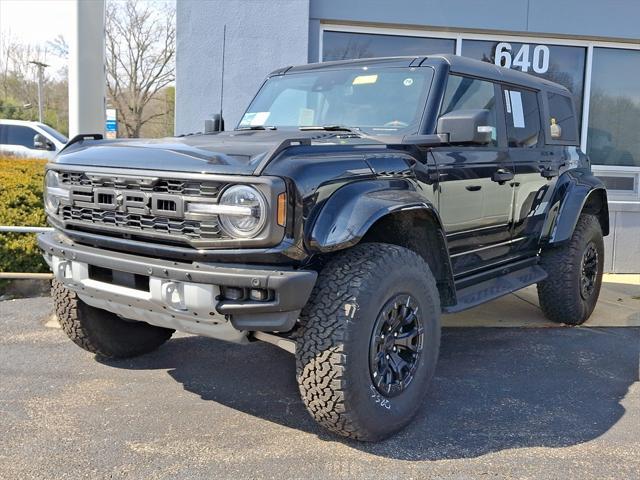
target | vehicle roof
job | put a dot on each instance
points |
(456, 63)
(27, 123)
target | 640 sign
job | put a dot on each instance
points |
(525, 58)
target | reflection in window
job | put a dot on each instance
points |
(523, 118)
(561, 122)
(614, 108)
(564, 65)
(17, 135)
(380, 101)
(465, 93)
(346, 45)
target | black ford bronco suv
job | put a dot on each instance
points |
(355, 203)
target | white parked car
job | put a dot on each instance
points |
(30, 139)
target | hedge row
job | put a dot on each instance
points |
(21, 182)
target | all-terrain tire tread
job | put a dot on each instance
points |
(73, 316)
(560, 263)
(320, 357)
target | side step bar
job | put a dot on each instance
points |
(496, 287)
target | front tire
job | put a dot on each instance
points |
(102, 332)
(570, 292)
(354, 380)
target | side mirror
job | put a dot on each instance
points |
(466, 126)
(40, 142)
(214, 124)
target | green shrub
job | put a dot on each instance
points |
(21, 182)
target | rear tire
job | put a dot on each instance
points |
(570, 292)
(102, 332)
(353, 380)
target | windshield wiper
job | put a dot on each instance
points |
(258, 127)
(330, 128)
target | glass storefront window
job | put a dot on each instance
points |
(560, 64)
(614, 108)
(347, 45)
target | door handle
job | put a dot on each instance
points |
(473, 188)
(501, 176)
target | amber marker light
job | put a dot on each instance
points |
(282, 209)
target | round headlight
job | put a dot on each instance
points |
(51, 186)
(244, 222)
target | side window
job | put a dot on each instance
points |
(19, 135)
(3, 134)
(561, 124)
(523, 117)
(463, 93)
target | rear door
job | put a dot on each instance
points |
(536, 166)
(474, 206)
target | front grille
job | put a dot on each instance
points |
(149, 184)
(132, 207)
(192, 229)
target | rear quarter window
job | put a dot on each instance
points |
(562, 125)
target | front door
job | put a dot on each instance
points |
(475, 194)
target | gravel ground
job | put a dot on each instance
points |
(506, 403)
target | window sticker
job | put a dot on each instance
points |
(507, 102)
(305, 117)
(365, 79)
(408, 82)
(254, 119)
(518, 112)
(259, 119)
(246, 119)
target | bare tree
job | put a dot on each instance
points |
(17, 73)
(59, 47)
(140, 54)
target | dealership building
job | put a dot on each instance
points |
(589, 46)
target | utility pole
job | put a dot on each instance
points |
(41, 66)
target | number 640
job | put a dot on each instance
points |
(523, 59)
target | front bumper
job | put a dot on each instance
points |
(199, 286)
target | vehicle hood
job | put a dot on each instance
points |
(234, 152)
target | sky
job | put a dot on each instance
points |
(36, 22)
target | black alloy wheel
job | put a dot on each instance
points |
(396, 345)
(368, 341)
(588, 271)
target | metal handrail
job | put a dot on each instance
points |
(15, 229)
(22, 275)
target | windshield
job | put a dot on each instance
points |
(382, 101)
(54, 133)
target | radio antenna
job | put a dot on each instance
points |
(224, 45)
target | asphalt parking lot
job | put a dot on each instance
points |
(505, 403)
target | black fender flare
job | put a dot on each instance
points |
(354, 210)
(346, 216)
(575, 189)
